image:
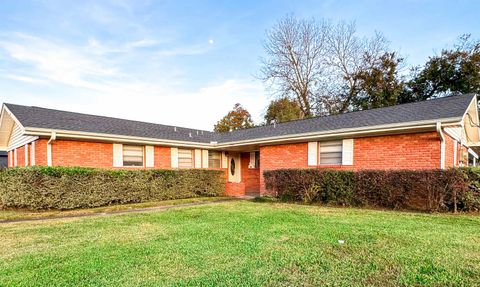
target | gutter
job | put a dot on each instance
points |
(442, 145)
(53, 137)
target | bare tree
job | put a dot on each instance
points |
(316, 63)
(348, 55)
(295, 59)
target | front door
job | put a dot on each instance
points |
(234, 168)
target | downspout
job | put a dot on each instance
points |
(442, 145)
(53, 137)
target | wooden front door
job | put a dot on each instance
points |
(234, 168)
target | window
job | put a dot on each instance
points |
(214, 159)
(254, 160)
(257, 159)
(331, 153)
(132, 155)
(185, 158)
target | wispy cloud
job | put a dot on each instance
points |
(26, 79)
(99, 82)
(58, 63)
(197, 49)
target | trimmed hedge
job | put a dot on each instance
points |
(428, 190)
(40, 188)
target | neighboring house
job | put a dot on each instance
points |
(432, 134)
(3, 159)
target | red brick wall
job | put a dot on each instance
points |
(88, 154)
(41, 152)
(21, 156)
(235, 189)
(406, 151)
(449, 152)
(85, 154)
(162, 157)
(250, 176)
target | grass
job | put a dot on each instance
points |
(244, 243)
(16, 214)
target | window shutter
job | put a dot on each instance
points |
(347, 152)
(197, 158)
(205, 158)
(251, 164)
(117, 155)
(312, 153)
(149, 156)
(15, 157)
(174, 157)
(224, 160)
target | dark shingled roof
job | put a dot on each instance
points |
(35, 117)
(442, 108)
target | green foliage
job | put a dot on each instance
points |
(238, 118)
(454, 71)
(39, 188)
(429, 190)
(379, 85)
(283, 110)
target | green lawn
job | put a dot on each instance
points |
(243, 243)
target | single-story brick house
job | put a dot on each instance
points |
(432, 134)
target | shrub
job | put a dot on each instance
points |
(68, 188)
(430, 190)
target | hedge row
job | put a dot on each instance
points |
(40, 188)
(430, 190)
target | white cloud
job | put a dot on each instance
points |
(58, 63)
(26, 79)
(197, 49)
(86, 79)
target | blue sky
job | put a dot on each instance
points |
(184, 63)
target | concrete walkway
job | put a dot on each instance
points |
(138, 210)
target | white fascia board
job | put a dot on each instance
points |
(474, 99)
(112, 138)
(431, 124)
